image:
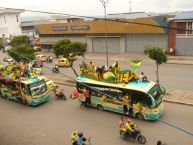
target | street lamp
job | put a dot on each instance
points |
(104, 3)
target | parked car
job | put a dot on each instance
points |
(62, 62)
(8, 60)
(37, 48)
(41, 57)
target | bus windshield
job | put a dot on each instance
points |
(155, 93)
(37, 88)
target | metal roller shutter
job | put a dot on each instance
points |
(135, 43)
(184, 46)
(113, 44)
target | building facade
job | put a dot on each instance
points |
(10, 23)
(123, 36)
(181, 38)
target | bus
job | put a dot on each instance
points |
(31, 91)
(146, 99)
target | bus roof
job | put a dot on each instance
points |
(30, 80)
(138, 86)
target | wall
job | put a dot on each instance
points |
(172, 36)
(9, 25)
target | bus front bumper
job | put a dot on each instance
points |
(38, 101)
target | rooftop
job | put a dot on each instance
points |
(11, 11)
(184, 16)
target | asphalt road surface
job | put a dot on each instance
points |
(173, 76)
(52, 122)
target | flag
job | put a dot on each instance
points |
(135, 64)
(74, 94)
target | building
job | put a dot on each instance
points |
(10, 23)
(132, 15)
(124, 36)
(181, 38)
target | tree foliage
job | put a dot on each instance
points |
(21, 40)
(22, 53)
(157, 54)
(69, 50)
(59, 47)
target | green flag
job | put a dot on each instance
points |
(135, 64)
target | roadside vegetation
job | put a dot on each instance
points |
(69, 50)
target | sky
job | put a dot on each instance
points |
(95, 8)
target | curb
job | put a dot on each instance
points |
(165, 100)
(177, 102)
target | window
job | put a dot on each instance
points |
(17, 19)
(189, 26)
(5, 19)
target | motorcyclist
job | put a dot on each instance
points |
(129, 127)
(74, 138)
(58, 92)
(121, 125)
(56, 68)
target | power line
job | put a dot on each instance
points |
(162, 121)
(121, 21)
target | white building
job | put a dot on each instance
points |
(10, 23)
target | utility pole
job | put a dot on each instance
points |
(130, 6)
(104, 3)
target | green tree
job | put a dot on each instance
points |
(159, 55)
(59, 47)
(72, 50)
(22, 53)
(21, 40)
(69, 50)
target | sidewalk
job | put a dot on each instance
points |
(173, 96)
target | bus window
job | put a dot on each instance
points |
(141, 97)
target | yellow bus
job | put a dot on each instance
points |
(145, 97)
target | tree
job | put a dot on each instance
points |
(59, 47)
(69, 50)
(159, 55)
(72, 50)
(21, 40)
(22, 53)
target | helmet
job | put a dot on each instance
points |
(80, 134)
(74, 132)
(129, 120)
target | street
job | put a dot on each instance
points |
(52, 122)
(173, 76)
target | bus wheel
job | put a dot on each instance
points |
(100, 107)
(140, 116)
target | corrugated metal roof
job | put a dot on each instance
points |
(140, 25)
(184, 16)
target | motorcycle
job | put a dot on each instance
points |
(60, 96)
(49, 60)
(134, 136)
(55, 70)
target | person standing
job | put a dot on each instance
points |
(91, 66)
(126, 102)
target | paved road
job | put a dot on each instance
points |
(52, 122)
(174, 76)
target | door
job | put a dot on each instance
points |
(99, 45)
(184, 46)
